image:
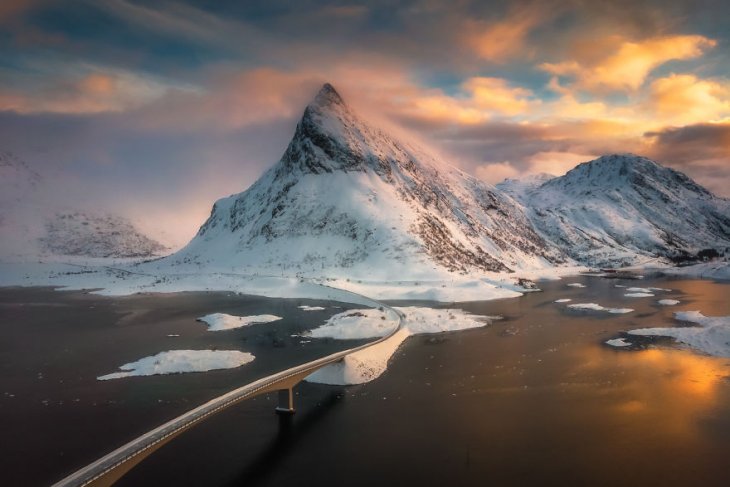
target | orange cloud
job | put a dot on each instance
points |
(686, 99)
(82, 89)
(495, 94)
(504, 39)
(628, 66)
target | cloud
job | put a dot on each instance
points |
(85, 89)
(506, 38)
(496, 172)
(496, 95)
(627, 67)
(687, 99)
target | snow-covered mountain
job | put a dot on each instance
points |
(519, 188)
(87, 234)
(32, 225)
(623, 209)
(349, 198)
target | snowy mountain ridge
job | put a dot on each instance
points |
(621, 209)
(349, 198)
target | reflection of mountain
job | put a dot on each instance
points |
(32, 227)
(346, 195)
(620, 209)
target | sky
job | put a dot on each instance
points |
(155, 109)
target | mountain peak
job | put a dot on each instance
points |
(328, 96)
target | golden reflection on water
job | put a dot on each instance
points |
(661, 386)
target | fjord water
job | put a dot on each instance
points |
(534, 399)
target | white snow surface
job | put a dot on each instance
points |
(712, 336)
(563, 300)
(368, 364)
(668, 302)
(598, 307)
(618, 342)
(222, 321)
(638, 295)
(304, 307)
(180, 361)
(576, 284)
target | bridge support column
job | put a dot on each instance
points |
(286, 402)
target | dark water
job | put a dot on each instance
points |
(535, 399)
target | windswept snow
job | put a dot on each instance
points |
(668, 302)
(370, 363)
(222, 321)
(618, 342)
(304, 307)
(179, 361)
(711, 337)
(354, 324)
(598, 307)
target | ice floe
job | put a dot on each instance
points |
(711, 337)
(179, 361)
(598, 307)
(576, 284)
(368, 364)
(564, 300)
(304, 307)
(618, 342)
(638, 295)
(222, 321)
(668, 302)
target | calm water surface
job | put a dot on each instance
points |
(535, 399)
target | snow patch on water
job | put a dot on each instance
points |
(304, 307)
(368, 364)
(668, 302)
(179, 361)
(618, 342)
(222, 321)
(638, 295)
(598, 307)
(564, 300)
(711, 337)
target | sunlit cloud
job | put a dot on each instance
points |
(627, 67)
(506, 38)
(86, 89)
(687, 99)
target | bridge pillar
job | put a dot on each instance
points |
(286, 402)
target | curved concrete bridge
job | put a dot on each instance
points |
(111, 467)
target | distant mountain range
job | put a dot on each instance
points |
(623, 209)
(31, 226)
(349, 200)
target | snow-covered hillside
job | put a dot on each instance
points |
(624, 209)
(96, 235)
(33, 225)
(347, 198)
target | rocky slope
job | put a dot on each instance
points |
(351, 199)
(32, 226)
(624, 209)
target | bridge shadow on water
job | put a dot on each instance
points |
(292, 430)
